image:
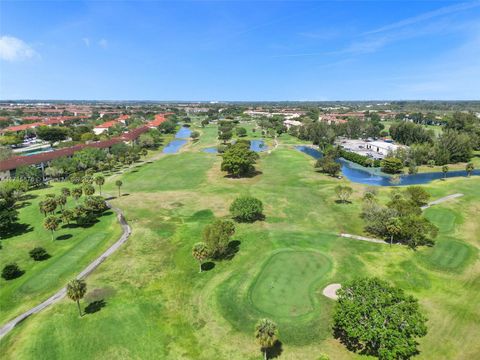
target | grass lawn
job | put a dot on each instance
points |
(155, 304)
(72, 249)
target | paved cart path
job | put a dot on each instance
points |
(126, 231)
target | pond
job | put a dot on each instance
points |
(373, 176)
(183, 133)
(258, 145)
(175, 145)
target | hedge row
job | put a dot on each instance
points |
(358, 159)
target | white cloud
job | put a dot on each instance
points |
(86, 41)
(103, 43)
(14, 49)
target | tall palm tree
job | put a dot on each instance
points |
(88, 189)
(119, 184)
(200, 253)
(100, 180)
(77, 193)
(266, 333)
(76, 290)
(393, 228)
(469, 168)
(51, 223)
(445, 171)
(65, 192)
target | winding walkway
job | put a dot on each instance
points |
(379, 241)
(441, 200)
(126, 231)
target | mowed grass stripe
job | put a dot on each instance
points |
(286, 281)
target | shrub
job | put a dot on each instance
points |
(246, 209)
(39, 254)
(358, 159)
(11, 271)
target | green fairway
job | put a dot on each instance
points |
(156, 305)
(287, 281)
(73, 248)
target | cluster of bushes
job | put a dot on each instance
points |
(401, 219)
(359, 159)
(217, 242)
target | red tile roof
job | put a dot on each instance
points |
(107, 124)
(159, 119)
(18, 161)
(20, 127)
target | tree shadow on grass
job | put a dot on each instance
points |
(64, 237)
(15, 230)
(107, 213)
(245, 176)
(275, 351)
(208, 266)
(232, 249)
(95, 306)
(343, 202)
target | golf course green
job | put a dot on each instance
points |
(152, 303)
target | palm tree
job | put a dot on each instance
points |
(445, 171)
(266, 334)
(51, 223)
(67, 216)
(100, 180)
(61, 201)
(200, 253)
(469, 168)
(88, 189)
(393, 228)
(76, 290)
(77, 193)
(65, 192)
(119, 184)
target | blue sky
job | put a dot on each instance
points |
(226, 50)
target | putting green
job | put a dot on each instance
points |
(285, 285)
(447, 255)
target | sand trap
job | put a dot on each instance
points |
(331, 291)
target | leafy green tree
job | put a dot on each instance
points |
(246, 209)
(217, 235)
(241, 132)
(266, 333)
(328, 165)
(76, 290)
(119, 184)
(200, 253)
(225, 135)
(393, 228)
(469, 168)
(39, 254)
(95, 204)
(445, 169)
(343, 192)
(376, 319)
(99, 180)
(418, 195)
(204, 122)
(51, 133)
(51, 224)
(195, 135)
(167, 127)
(391, 165)
(31, 174)
(239, 160)
(11, 271)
